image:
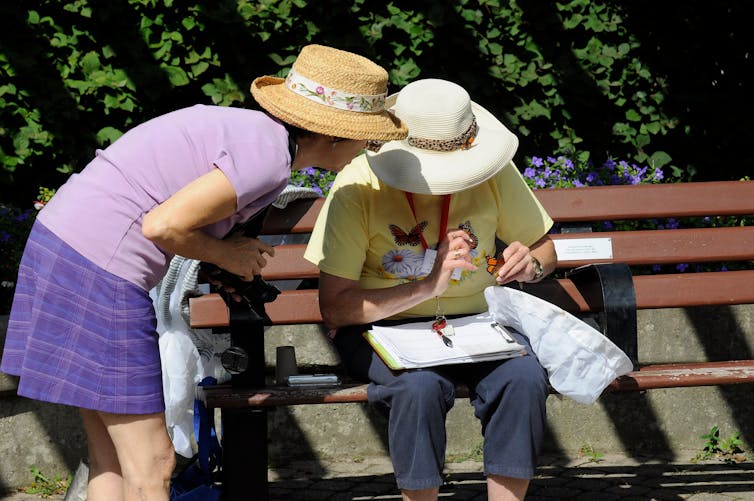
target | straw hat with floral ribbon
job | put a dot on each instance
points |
(332, 92)
(452, 144)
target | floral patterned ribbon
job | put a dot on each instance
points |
(333, 97)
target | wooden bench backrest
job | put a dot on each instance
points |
(575, 207)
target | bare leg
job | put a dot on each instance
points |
(421, 495)
(144, 452)
(506, 488)
(105, 480)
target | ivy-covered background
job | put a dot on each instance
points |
(660, 84)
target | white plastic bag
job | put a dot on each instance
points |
(580, 361)
(188, 355)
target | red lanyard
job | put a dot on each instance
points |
(443, 218)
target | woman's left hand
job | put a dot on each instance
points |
(518, 264)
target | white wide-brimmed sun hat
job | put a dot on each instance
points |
(332, 92)
(453, 143)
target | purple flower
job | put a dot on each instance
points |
(658, 175)
(578, 184)
(529, 172)
(320, 90)
(540, 183)
(536, 161)
(608, 225)
(609, 164)
(672, 223)
(681, 267)
(656, 268)
(591, 177)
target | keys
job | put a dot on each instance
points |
(444, 330)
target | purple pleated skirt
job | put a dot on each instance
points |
(80, 336)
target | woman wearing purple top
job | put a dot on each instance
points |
(82, 330)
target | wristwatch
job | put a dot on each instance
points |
(539, 272)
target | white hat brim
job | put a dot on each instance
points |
(426, 172)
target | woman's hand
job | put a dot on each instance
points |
(519, 263)
(245, 256)
(452, 253)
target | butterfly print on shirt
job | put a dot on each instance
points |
(413, 237)
(470, 232)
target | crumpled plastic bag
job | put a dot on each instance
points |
(580, 361)
(188, 355)
(181, 370)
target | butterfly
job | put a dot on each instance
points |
(494, 263)
(470, 231)
(413, 237)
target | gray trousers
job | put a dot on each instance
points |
(508, 397)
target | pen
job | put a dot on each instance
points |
(503, 332)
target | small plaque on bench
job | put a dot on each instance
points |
(579, 249)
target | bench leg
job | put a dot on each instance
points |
(244, 454)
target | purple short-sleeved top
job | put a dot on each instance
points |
(99, 211)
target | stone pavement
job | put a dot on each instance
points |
(611, 478)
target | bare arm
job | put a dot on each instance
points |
(175, 225)
(343, 302)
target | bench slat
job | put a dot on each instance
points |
(633, 248)
(694, 289)
(594, 203)
(647, 247)
(288, 263)
(646, 378)
(652, 291)
(648, 201)
(298, 217)
(686, 375)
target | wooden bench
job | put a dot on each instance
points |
(598, 278)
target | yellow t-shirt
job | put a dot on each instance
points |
(367, 232)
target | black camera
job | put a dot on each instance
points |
(255, 292)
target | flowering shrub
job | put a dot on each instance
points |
(562, 172)
(319, 179)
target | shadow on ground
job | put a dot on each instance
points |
(558, 480)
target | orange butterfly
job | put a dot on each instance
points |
(494, 263)
(413, 237)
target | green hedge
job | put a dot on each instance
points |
(568, 77)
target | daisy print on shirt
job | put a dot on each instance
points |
(405, 261)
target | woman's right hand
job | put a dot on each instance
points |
(453, 252)
(245, 256)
